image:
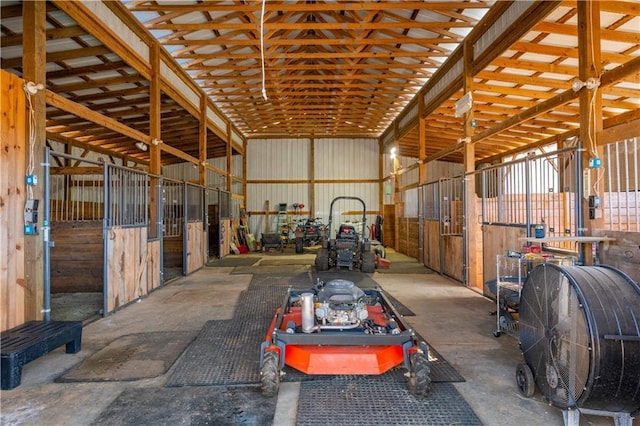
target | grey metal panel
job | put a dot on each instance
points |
(346, 159)
(278, 159)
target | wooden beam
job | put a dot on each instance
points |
(88, 114)
(84, 17)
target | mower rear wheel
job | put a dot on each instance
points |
(270, 374)
(299, 245)
(368, 262)
(322, 260)
(419, 374)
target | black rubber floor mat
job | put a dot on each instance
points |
(370, 401)
(233, 261)
(132, 357)
(271, 269)
(189, 406)
(226, 352)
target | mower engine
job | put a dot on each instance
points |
(341, 305)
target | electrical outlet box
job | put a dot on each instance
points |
(594, 201)
(30, 213)
(30, 229)
(595, 163)
(31, 180)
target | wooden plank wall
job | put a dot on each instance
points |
(497, 240)
(408, 231)
(225, 234)
(453, 260)
(77, 257)
(153, 265)
(623, 254)
(127, 268)
(172, 252)
(389, 225)
(431, 249)
(196, 246)
(12, 172)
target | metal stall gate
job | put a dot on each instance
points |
(126, 194)
(535, 193)
(173, 229)
(194, 254)
(441, 214)
(73, 252)
(218, 203)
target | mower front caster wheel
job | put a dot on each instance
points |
(270, 374)
(419, 374)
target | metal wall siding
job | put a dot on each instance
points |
(220, 162)
(258, 194)
(346, 159)
(410, 177)
(325, 193)
(289, 193)
(278, 159)
(236, 166)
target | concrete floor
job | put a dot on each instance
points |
(452, 318)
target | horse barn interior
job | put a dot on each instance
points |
(154, 150)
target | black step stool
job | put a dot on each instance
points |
(31, 340)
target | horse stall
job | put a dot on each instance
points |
(126, 236)
(76, 197)
(173, 224)
(195, 244)
(218, 205)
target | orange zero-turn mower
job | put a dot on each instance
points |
(339, 328)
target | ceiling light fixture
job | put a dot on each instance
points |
(141, 146)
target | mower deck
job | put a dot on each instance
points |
(368, 346)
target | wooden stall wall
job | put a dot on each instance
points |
(623, 254)
(225, 234)
(453, 260)
(76, 257)
(497, 240)
(127, 275)
(408, 231)
(12, 172)
(389, 225)
(196, 246)
(154, 256)
(431, 249)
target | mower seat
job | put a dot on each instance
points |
(347, 233)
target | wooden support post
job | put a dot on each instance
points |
(155, 131)
(589, 69)
(34, 70)
(472, 232)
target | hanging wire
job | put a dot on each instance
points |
(32, 139)
(264, 90)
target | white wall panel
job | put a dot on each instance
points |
(236, 137)
(410, 199)
(236, 166)
(217, 120)
(410, 177)
(346, 159)
(220, 162)
(131, 39)
(192, 97)
(259, 193)
(278, 159)
(325, 193)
